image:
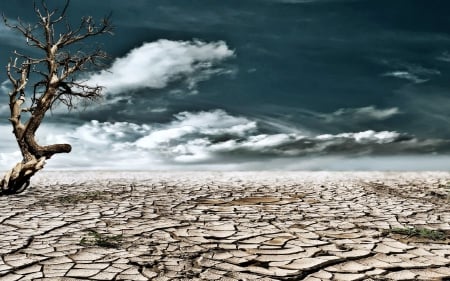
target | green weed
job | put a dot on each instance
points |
(424, 233)
(83, 197)
(101, 240)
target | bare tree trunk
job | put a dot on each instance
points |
(57, 68)
(34, 155)
(18, 178)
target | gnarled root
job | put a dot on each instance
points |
(18, 179)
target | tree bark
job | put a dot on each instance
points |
(56, 68)
(34, 155)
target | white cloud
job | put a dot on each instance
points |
(406, 75)
(184, 137)
(87, 138)
(196, 137)
(207, 140)
(215, 122)
(165, 136)
(409, 71)
(365, 137)
(156, 64)
(364, 113)
(262, 142)
(208, 123)
(193, 151)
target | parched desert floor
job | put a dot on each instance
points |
(228, 226)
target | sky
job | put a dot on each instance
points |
(253, 85)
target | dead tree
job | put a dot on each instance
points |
(55, 81)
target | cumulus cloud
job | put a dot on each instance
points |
(154, 65)
(213, 139)
(189, 137)
(106, 133)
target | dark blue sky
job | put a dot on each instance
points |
(233, 84)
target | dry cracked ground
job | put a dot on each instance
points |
(227, 226)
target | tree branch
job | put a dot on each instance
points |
(27, 32)
(57, 68)
(90, 29)
(63, 13)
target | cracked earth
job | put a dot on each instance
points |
(227, 226)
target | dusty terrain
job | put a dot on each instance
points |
(227, 226)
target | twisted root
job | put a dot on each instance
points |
(18, 179)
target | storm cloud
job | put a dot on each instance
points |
(278, 84)
(216, 138)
